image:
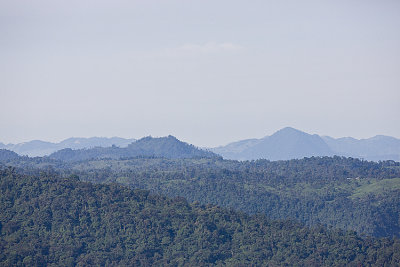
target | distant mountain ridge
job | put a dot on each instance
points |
(168, 147)
(376, 148)
(289, 143)
(42, 148)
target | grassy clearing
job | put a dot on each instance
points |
(376, 187)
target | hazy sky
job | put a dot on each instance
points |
(207, 72)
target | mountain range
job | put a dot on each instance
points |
(287, 143)
(166, 147)
(38, 148)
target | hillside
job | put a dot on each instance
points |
(50, 220)
(340, 192)
(6, 155)
(168, 147)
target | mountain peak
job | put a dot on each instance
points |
(150, 138)
(290, 143)
(166, 147)
(289, 131)
(287, 143)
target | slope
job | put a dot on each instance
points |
(311, 190)
(50, 220)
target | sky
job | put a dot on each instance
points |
(207, 72)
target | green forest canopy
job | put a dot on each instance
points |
(51, 220)
(345, 193)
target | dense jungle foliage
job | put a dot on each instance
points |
(48, 220)
(345, 193)
(341, 192)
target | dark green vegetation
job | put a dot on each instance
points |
(341, 192)
(50, 220)
(168, 147)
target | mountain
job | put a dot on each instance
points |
(41, 148)
(376, 148)
(6, 155)
(32, 148)
(168, 147)
(80, 143)
(51, 220)
(289, 143)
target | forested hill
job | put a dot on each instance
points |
(48, 220)
(341, 192)
(6, 155)
(167, 147)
